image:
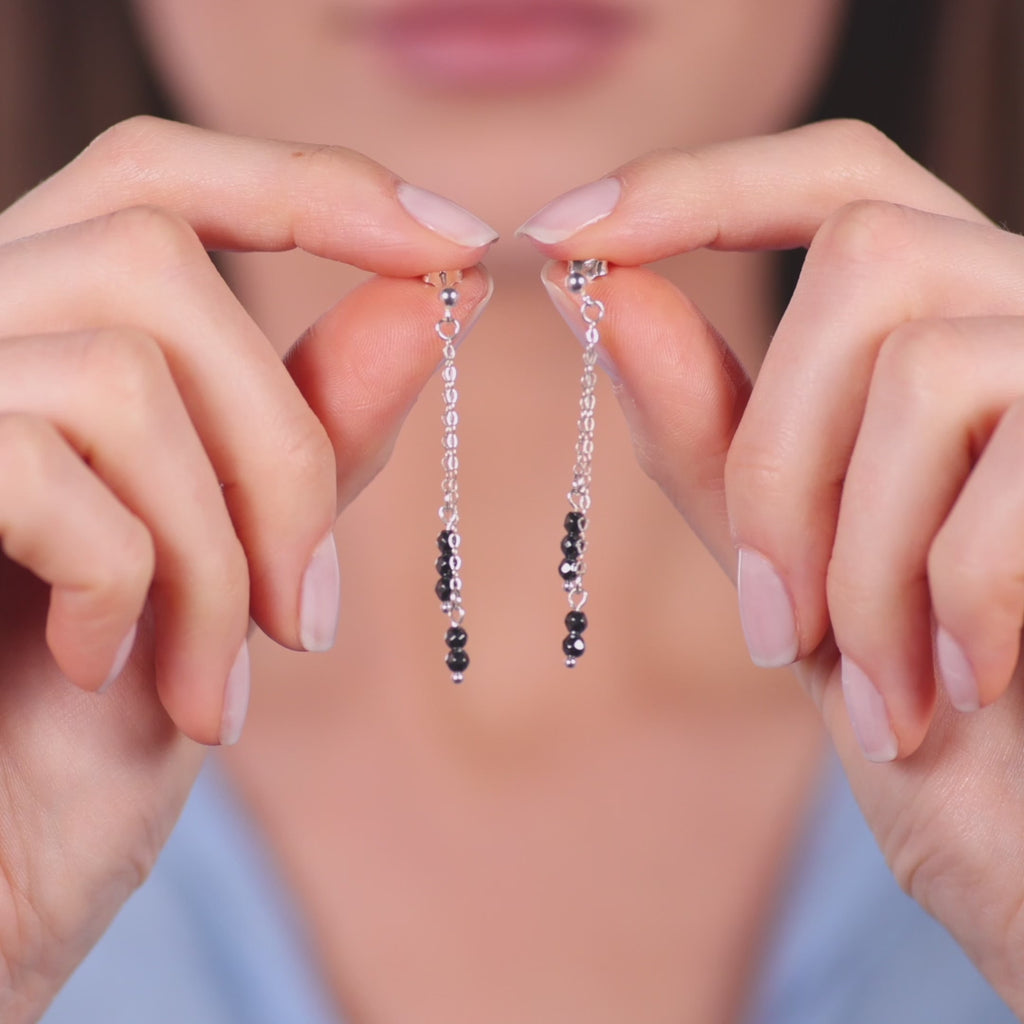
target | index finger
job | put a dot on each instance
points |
(253, 194)
(765, 192)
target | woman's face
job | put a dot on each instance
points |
(498, 104)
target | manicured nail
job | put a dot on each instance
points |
(575, 323)
(956, 673)
(868, 714)
(766, 612)
(320, 599)
(573, 212)
(121, 658)
(444, 218)
(236, 698)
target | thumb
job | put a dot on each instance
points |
(681, 388)
(362, 365)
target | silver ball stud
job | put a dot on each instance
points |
(576, 282)
(450, 297)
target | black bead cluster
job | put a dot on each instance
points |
(457, 659)
(572, 547)
(572, 555)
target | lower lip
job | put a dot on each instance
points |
(500, 46)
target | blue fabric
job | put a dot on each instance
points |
(850, 947)
(209, 939)
(212, 939)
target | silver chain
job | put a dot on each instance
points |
(448, 329)
(582, 272)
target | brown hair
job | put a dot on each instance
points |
(944, 78)
(68, 69)
(976, 138)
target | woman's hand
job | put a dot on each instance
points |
(163, 476)
(872, 480)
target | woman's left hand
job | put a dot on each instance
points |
(872, 480)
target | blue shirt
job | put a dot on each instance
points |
(212, 938)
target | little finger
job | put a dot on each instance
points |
(59, 521)
(976, 571)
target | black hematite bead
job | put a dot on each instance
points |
(576, 622)
(571, 547)
(443, 589)
(573, 645)
(568, 570)
(455, 637)
(457, 660)
(444, 541)
(444, 566)
(575, 523)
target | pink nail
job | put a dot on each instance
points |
(320, 599)
(766, 612)
(236, 698)
(956, 673)
(868, 714)
(121, 658)
(444, 217)
(573, 212)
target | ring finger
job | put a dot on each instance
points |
(938, 389)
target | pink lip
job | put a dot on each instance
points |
(502, 44)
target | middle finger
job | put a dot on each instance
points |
(872, 267)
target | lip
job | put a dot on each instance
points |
(496, 45)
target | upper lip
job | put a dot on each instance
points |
(434, 15)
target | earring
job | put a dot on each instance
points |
(574, 544)
(449, 540)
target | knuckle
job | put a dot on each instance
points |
(851, 596)
(125, 366)
(119, 585)
(153, 237)
(122, 142)
(119, 581)
(966, 585)
(685, 161)
(224, 571)
(758, 471)
(861, 137)
(315, 171)
(309, 454)
(138, 556)
(864, 232)
(327, 160)
(26, 450)
(918, 364)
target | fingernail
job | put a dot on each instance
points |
(443, 217)
(121, 658)
(956, 673)
(868, 714)
(573, 212)
(766, 612)
(320, 599)
(236, 698)
(578, 328)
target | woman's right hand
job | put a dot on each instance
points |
(164, 476)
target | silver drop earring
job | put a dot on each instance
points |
(449, 540)
(573, 567)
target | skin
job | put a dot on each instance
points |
(542, 780)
